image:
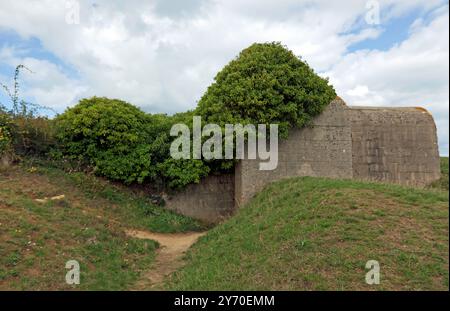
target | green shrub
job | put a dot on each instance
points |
(108, 134)
(266, 84)
(101, 124)
(121, 142)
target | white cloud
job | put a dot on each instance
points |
(413, 73)
(358, 91)
(47, 84)
(162, 55)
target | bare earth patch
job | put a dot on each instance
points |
(169, 255)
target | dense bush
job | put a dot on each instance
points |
(101, 124)
(109, 134)
(266, 84)
(123, 143)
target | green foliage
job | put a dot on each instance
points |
(5, 133)
(134, 165)
(266, 84)
(32, 135)
(101, 124)
(110, 135)
(26, 133)
(123, 143)
(180, 173)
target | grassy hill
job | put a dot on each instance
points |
(88, 225)
(297, 234)
(318, 234)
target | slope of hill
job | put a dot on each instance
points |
(38, 236)
(318, 234)
(297, 234)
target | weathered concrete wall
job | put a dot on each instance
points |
(324, 150)
(397, 145)
(210, 200)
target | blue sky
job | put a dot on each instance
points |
(28, 47)
(392, 32)
(162, 55)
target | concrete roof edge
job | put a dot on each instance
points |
(415, 109)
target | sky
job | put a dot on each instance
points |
(161, 55)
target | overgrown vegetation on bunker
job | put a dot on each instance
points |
(265, 84)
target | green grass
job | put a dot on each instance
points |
(297, 234)
(318, 234)
(131, 207)
(37, 239)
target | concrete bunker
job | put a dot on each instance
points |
(393, 145)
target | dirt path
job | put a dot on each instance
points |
(168, 257)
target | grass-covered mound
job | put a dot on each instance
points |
(318, 234)
(88, 225)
